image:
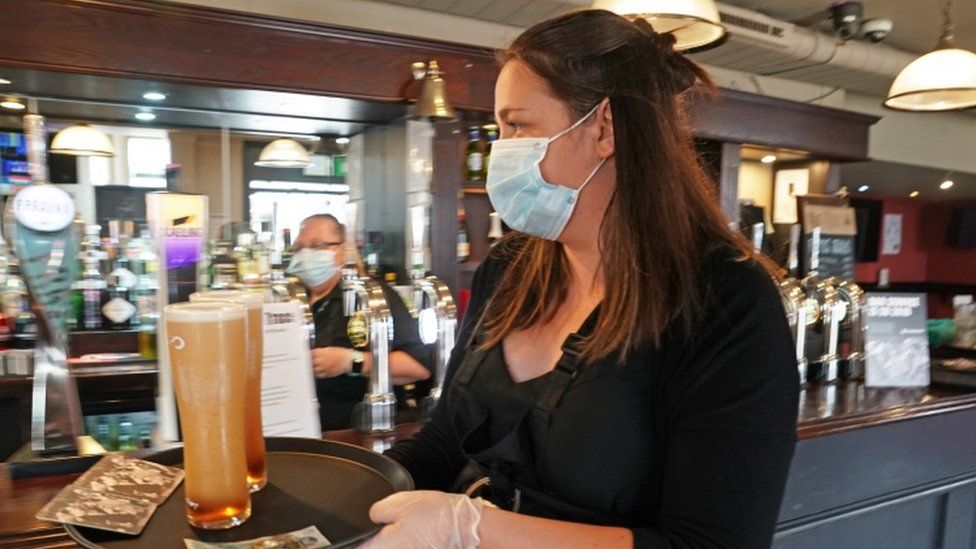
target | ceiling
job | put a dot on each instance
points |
(893, 179)
(116, 100)
(917, 23)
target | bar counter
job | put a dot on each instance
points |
(874, 467)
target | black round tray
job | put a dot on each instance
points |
(330, 485)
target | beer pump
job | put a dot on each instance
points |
(824, 367)
(370, 324)
(853, 298)
(43, 229)
(436, 312)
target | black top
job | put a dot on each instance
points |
(689, 443)
(338, 394)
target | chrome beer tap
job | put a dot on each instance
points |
(801, 313)
(851, 366)
(370, 323)
(437, 321)
(824, 369)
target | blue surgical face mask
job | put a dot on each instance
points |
(521, 196)
(313, 267)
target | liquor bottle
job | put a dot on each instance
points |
(463, 242)
(143, 295)
(491, 135)
(247, 265)
(223, 266)
(121, 270)
(475, 158)
(118, 309)
(494, 228)
(285, 247)
(16, 308)
(94, 290)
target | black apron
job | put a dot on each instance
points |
(515, 465)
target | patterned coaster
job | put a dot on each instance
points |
(118, 494)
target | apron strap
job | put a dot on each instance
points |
(565, 372)
(469, 366)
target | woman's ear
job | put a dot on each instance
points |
(604, 118)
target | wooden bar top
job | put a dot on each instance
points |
(823, 411)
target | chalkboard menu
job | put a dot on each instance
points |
(836, 256)
(829, 238)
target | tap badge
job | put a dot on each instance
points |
(358, 330)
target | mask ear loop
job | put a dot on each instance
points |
(575, 124)
(576, 192)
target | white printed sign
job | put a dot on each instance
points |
(44, 208)
(288, 403)
(896, 343)
(891, 234)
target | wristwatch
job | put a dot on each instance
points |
(356, 369)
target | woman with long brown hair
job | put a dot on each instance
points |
(624, 375)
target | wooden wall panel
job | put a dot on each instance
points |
(177, 43)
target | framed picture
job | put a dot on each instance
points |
(788, 185)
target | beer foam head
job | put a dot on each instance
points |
(250, 300)
(204, 311)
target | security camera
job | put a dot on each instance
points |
(846, 19)
(876, 30)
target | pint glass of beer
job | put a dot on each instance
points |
(207, 354)
(257, 475)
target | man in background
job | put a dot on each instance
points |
(342, 369)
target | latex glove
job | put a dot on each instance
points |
(426, 519)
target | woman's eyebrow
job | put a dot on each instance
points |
(502, 114)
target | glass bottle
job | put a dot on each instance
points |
(94, 290)
(491, 135)
(475, 156)
(463, 242)
(118, 309)
(494, 228)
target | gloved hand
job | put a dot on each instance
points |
(426, 519)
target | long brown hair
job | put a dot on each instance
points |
(663, 219)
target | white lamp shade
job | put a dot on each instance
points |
(82, 141)
(694, 23)
(941, 80)
(283, 153)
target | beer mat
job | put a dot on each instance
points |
(133, 478)
(101, 510)
(306, 538)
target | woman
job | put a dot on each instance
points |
(625, 375)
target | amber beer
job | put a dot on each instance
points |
(206, 344)
(257, 475)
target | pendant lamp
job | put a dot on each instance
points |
(941, 80)
(82, 140)
(695, 24)
(283, 153)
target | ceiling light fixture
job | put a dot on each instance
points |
(145, 116)
(4, 81)
(695, 24)
(82, 140)
(154, 96)
(946, 185)
(432, 104)
(768, 159)
(913, 194)
(342, 140)
(13, 104)
(863, 188)
(283, 153)
(942, 80)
